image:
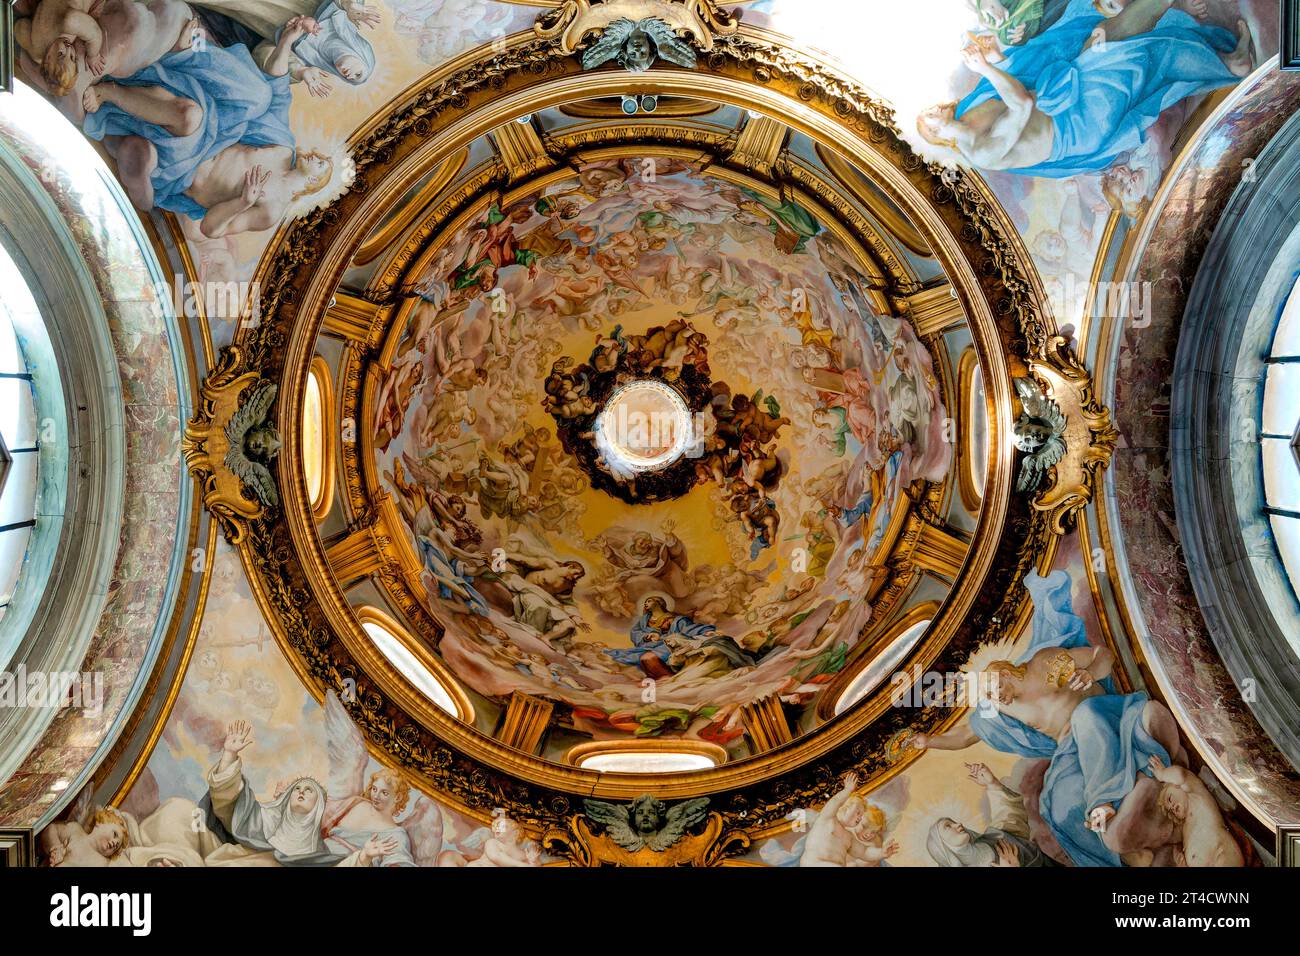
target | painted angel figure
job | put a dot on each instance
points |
(372, 803)
(636, 44)
(1038, 432)
(84, 835)
(848, 831)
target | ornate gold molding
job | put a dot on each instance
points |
(525, 722)
(358, 320)
(669, 107)
(206, 445)
(934, 310)
(357, 553)
(580, 844)
(521, 149)
(766, 723)
(1090, 435)
(894, 222)
(940, 551)
(383, 238)
(975, 245)
(759, 143)
(17, 848)
(575, 20)
(964, 460)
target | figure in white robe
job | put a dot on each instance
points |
(283, 831)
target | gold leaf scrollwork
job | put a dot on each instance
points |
(574, 20)
(205, 445)
(1090, 434)
(580, 845)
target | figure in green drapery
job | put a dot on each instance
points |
(1017, 21)
(494, 247)
(791, 224)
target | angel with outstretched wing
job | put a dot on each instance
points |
(635, 45)
(647, 821)
(372, 804)
(1039, 433)
(254, 444)
(679, 818)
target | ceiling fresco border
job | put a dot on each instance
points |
(1180, 660)
(997, 287)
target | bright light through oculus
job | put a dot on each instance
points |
(883, 666)
(644, 426)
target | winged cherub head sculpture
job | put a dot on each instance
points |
(254, 443)
(647, 820)
(637, 44)
(1038, 433)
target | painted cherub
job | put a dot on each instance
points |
(97, 842)
(372, 804)
(507, 845)
(55, 30)
(847, 832)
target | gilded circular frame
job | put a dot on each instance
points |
(407, 262)
(971, 237)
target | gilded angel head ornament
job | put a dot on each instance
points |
(647, 820)
(254, 443)
(637, 44)
(1038, 432)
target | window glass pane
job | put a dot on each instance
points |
(312, 447)
(410, 667)
(1282, 399)
(1281, 476)
(17, 413)
(13, 545)
(977, 454)
(875, 673)
(1287, 533)
(1287, 340)
(653, 762)
(11, 359)
(18, 502)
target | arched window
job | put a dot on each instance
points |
(881, 667)
(19, 430)
(419, 667)
(1279, 437)
(318, 438)
(973, 448)
(646, 756)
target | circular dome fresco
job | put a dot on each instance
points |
(644, 432)
(653, 445)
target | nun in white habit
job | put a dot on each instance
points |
(282, 831)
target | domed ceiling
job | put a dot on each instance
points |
(613, 409)
(654, 601)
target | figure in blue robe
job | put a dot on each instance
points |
(1106, 747)
(240, 104)
(649, 631)
(1101, 100)
(344, 842)
(443, 569)
(851, 516)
